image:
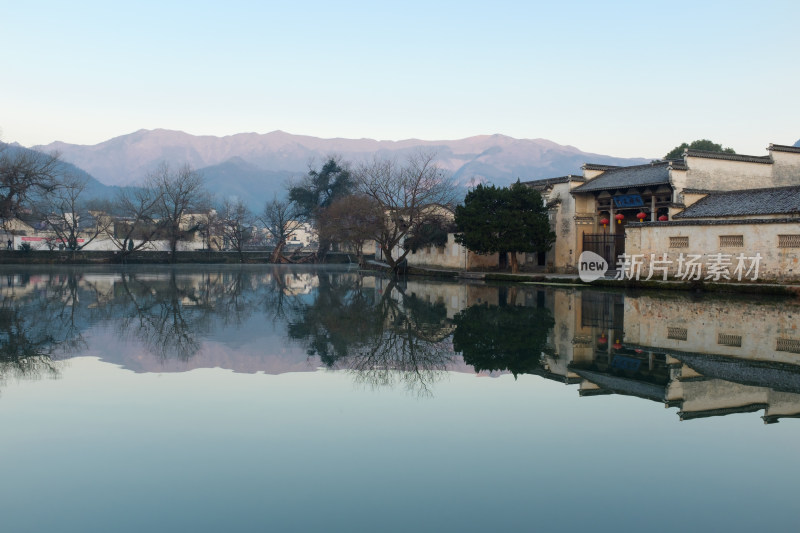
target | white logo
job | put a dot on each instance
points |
(591, 267)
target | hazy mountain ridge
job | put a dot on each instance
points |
(246, 161)
(95, 190)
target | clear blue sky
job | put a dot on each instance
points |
(619, 78)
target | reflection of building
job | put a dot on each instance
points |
(708, 358)
(299, 283)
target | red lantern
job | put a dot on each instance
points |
(641, 216)
(617, 345)
(619, 218)
(604, 222)
(663, 218)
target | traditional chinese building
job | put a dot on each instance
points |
(597, 210)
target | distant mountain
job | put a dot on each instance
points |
(258, 164)
(797, 143)
(238, 178)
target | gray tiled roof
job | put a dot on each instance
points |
(552, 181)
(771, 201)
(784, 148)
(598, 166)
(621, 385)
(730, 157)
(656, 173)
(777, 376)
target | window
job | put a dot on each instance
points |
(788, 241)
(788, 345)
(678, 334)
(725, 339)
(679, 242)
(731, 241)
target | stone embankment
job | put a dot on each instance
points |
(758, 287)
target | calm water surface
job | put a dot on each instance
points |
(304, 399)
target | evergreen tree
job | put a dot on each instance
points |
(504, 220)
(700, 144)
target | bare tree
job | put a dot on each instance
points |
(211, 228)
(406, 194)
(236, 223)
(280, 217)
(351, 221)
(66, 213)
(24, 174)
(180, 193)
(136, 226)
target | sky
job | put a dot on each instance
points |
(628, 79)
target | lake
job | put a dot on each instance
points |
(266, 398)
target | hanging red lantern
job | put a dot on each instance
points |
(641, 216)
(604, 222)
(663, 218)
(617, 345)
(619, 218)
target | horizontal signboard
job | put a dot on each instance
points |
(629, 200)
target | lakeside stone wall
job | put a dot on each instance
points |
(777, 241)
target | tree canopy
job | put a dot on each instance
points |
(407, 194)
(24, 174)
(318, 191)
(700, 144)
(501, 220)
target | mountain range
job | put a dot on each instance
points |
(255, 166)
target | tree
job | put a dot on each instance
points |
(318, 191)
(700, 144)
(210, 229)
(67, 214)
(352, 221)
(503, 220)
(431, 231)
(136, 225)
(236, 223)
(180, 193)
(24, 174)
(280, 218)
(406, 195)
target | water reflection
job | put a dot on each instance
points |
(382, 334)
(705, 357)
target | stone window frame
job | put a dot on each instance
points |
(731, 241)
(679, 241)
(729, 339)
(787, 345)
(789, 241)
(677, 334)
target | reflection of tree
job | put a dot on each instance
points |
(37, 328)
(24, 353)
(502, 338)
(395, 339)
(338, 318)
(169, 312)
